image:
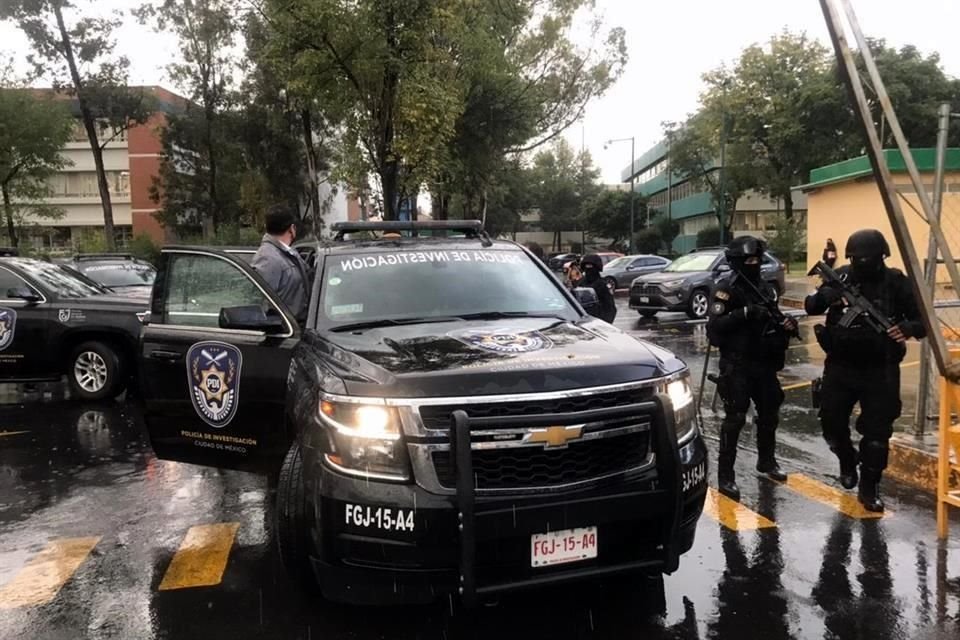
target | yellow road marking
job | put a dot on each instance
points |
(40, 580)
(824, 494)
(732, 514)
(801, 385)
(11, 433)
(202, 557)
(805, 344)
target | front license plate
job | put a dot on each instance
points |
(561, 547)
(644, 299)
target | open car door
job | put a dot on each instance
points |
(214, 359)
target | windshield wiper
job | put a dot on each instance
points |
(391, 322)
(499, 315)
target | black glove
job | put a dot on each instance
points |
(757, 312)
(830, 294)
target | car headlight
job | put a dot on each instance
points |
(365, 440)
(673, 284)
(684, 409)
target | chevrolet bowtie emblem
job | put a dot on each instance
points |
(554, 437)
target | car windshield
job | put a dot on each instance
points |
(693, 262)
(619, 262)
(120, 274)
(397, 285)
(61, 280)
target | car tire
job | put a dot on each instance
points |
(611, 284)
(292, 519)
(95, 371)
(648, 314)
(699, 304)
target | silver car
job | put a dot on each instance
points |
(619, 273)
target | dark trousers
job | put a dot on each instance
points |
(741, 384)
(877, 389)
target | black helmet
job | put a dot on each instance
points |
(591, 260)
(869, 244)
(743, 247)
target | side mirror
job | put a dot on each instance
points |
(723, 268)
(588, 299)
(250, 318)
(24, 293)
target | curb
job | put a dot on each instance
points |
(914, 465)
(792, 303)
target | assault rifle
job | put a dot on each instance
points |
(859, 306)
(774, 309)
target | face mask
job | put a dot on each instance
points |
(866, 269)
(750, 272)
(590, 274)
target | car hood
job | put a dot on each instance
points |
(490, 357)
(664, 276)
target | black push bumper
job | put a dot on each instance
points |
(480, 545)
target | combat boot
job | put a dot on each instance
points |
(727, 458)
(767, 461)
(849, 478)
(869, 493)
(848, 463)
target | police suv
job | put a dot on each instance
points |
(450, 419)
(54, 321)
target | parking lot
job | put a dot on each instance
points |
(100, 539)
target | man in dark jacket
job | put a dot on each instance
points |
(280, 265)
(753, 346)
(863, 365)
(592, 267)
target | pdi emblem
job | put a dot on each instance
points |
(8, 326)
(213, 376)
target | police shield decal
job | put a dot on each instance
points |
(213, 377)
(8, 325)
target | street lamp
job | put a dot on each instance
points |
(633, 174)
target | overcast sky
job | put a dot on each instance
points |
(671, 43)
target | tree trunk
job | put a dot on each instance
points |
(788, 205)
(389, 179)
(312, 171)
(8, 213)
(210, 223)
(90, 125)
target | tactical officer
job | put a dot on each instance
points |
(862, 363)
(752, 337)
(592, 267)
(830, 253)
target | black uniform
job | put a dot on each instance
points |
(752, 350)
(863, 366)
(592, 267)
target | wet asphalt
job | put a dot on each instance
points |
(86, 472)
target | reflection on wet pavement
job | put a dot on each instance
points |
(99, 539)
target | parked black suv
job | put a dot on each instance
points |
(686, 283)
(121, 273)
(452, 420)
(54, 321)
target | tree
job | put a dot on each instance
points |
(207, 31)
(385, 72)
(785, 108)
(695, 153)
(562, 182)
(33, 131)
(608, 215)
(77, 55)
(669, 230)
(788, 238)
(648, 240)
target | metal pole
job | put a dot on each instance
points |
(883, 176)
(920, 423)
(633, 195)
(723, 167)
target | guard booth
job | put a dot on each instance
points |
(949, 452)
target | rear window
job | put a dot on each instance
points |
(424, 284)
(120, 274)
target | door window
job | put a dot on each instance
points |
(199, 286)
(9, 280)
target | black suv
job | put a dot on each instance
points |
(451, 420)
(54, 321)
(121, 273)
(685, 284)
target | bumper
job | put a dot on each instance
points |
(478, 548)
(673, 300)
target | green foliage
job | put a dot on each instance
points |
(561, 183)
(143, 247)
(669, 229)
(92, 241)
(788, 238)
(33, 131)
(649, 240)
(709, 237)
(608, 215)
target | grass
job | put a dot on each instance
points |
(797, 268)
